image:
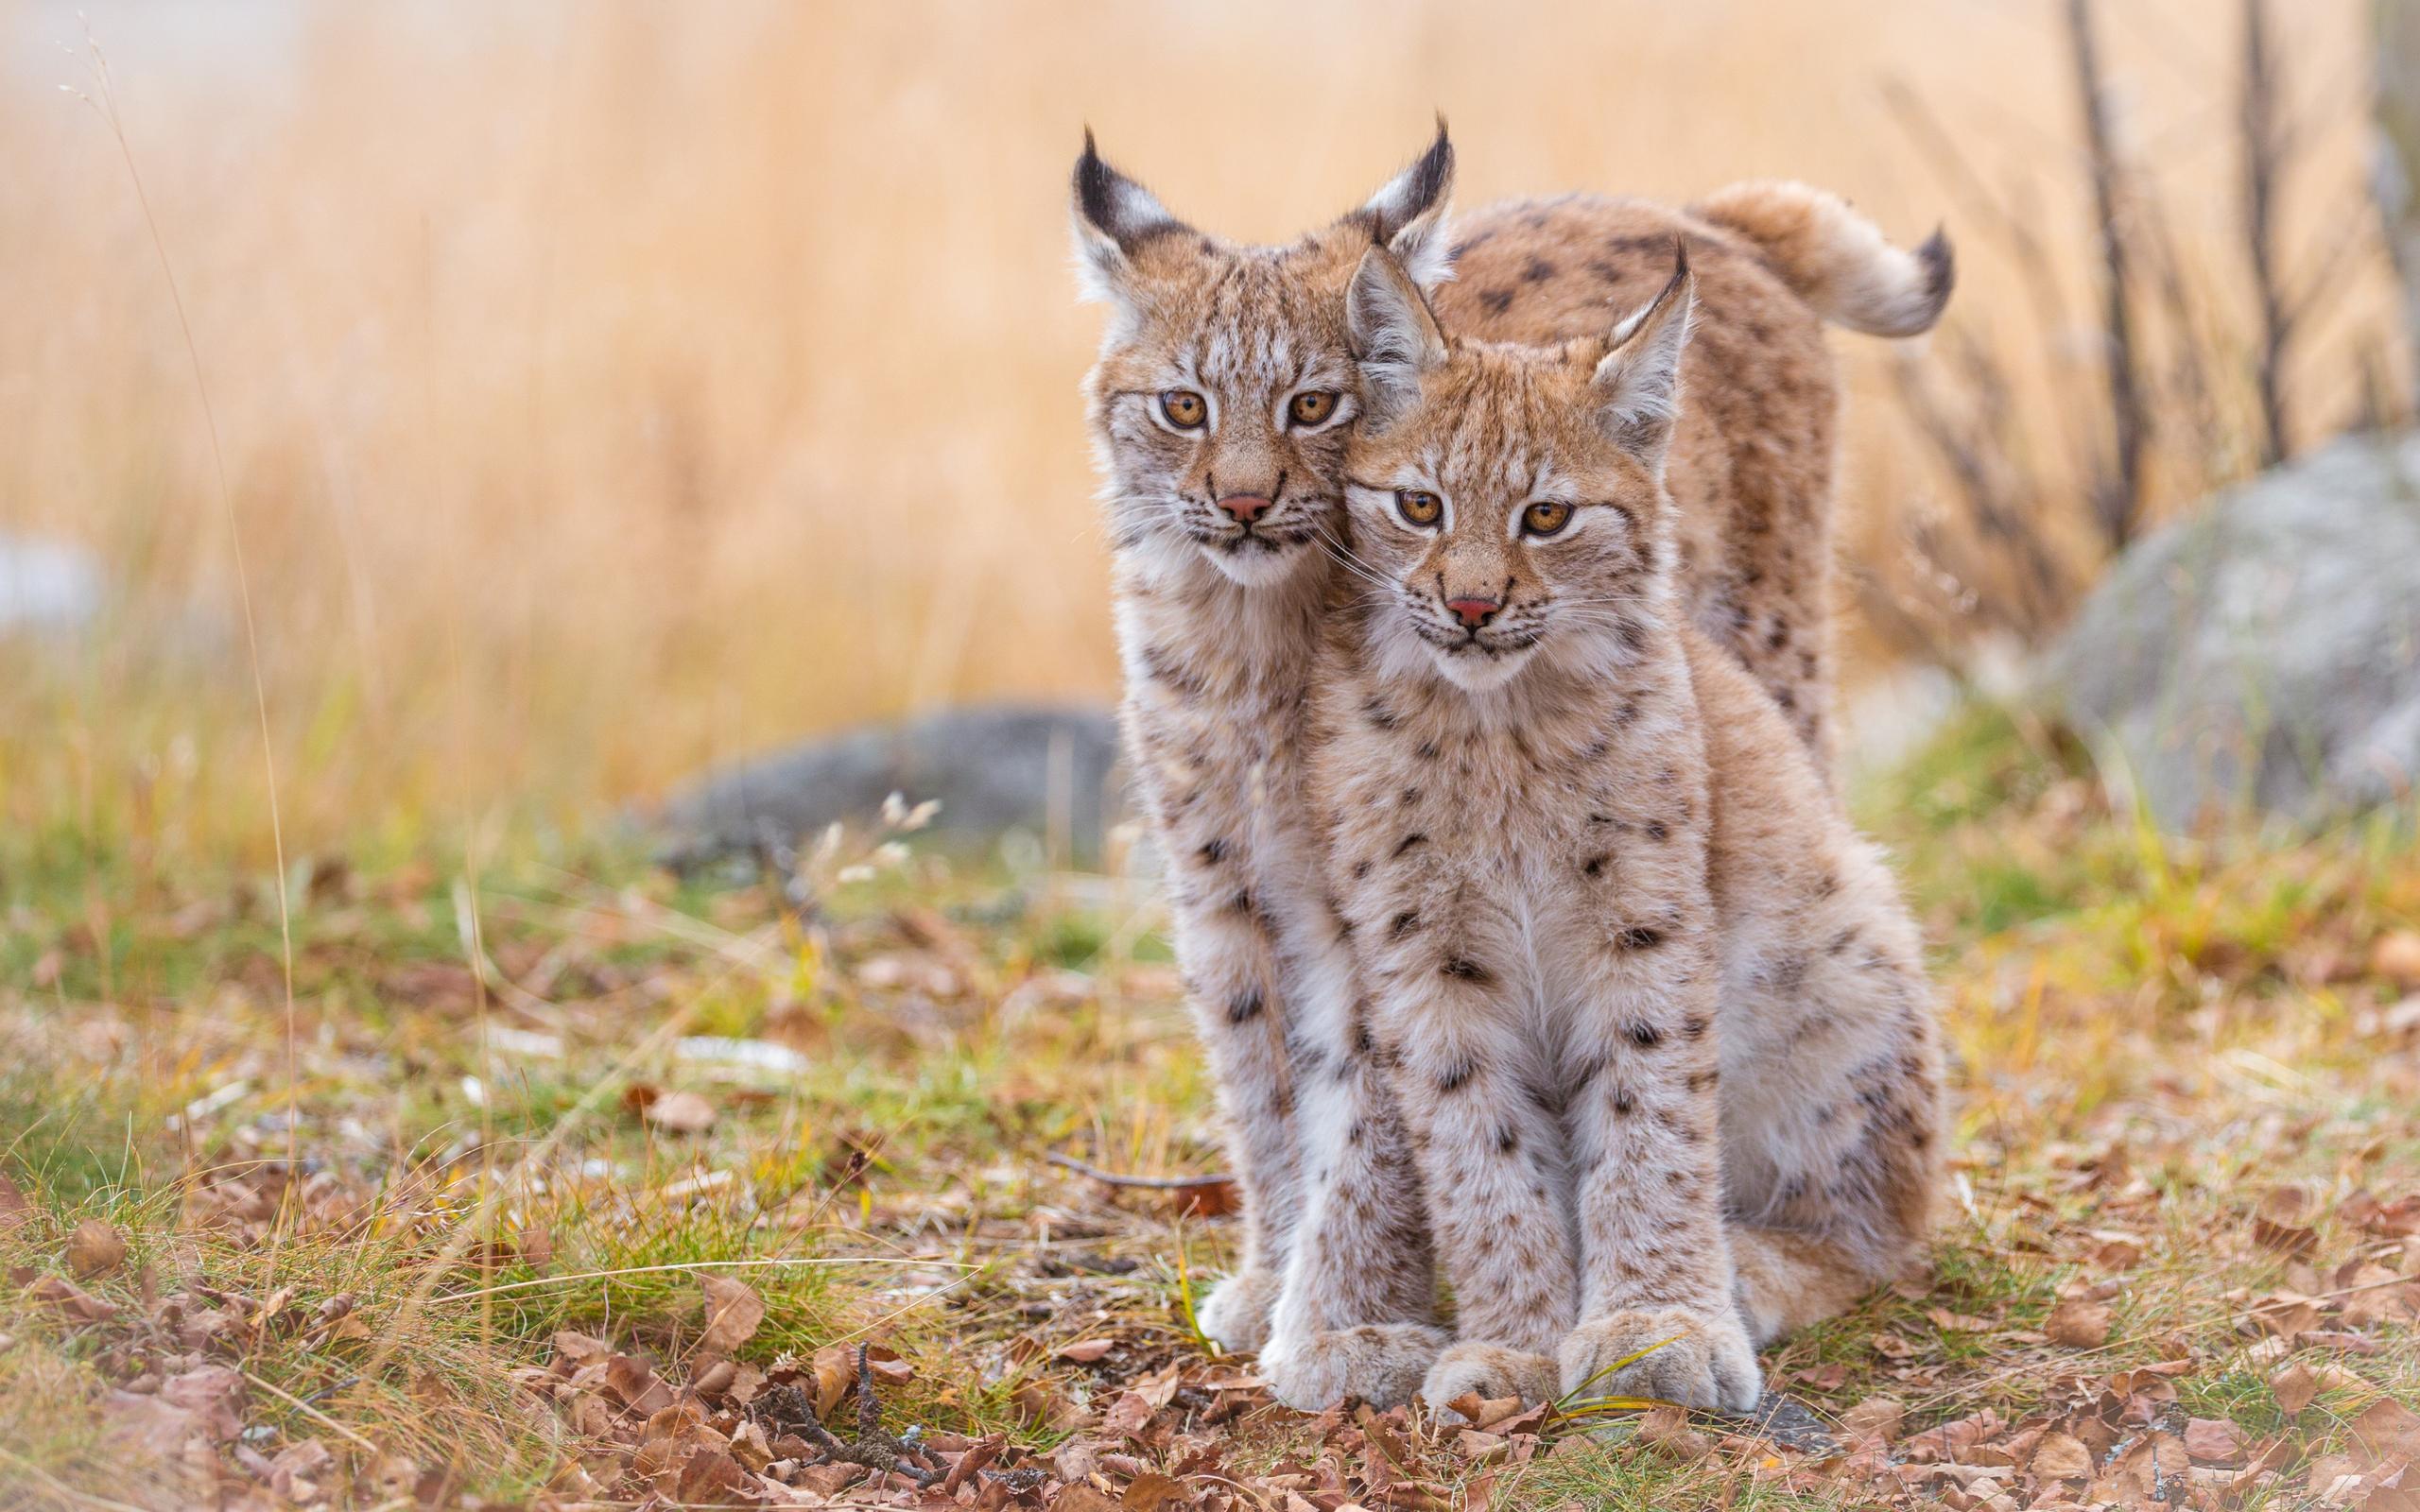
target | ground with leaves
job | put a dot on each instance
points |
(556, 1182)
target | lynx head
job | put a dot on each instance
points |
(1510, 499)
(1225, 389)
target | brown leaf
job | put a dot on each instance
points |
(2396, 957)
(2294, 1387)
(681, 1112)
(1949, 1322)
(633, 1382)
(1879, 1417)
(734, 1314)
(1203, 1199)
(2077, 1324)
(71, 1300)
(1081, 1497)
(2214, 1440)
(1152, 1492)
(2389, 1430)
(2278, 1222)
(713, 1478)
(1667, 1430)
(2061, 1456)
(1085, 1352)
(1128, 1416)
(211, 1394)
(835, 1370)
(94, 1249)
(14, 1210)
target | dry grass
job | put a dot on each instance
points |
(2154, 1039)
(607, 389)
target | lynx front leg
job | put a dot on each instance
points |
(1489, 1154)
(1236, 994)
(1658, 1317)
(1358, 1314)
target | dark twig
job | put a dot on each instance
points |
(2264, 150)
(2119, 498)
(882, 1452)
(1147, 1183)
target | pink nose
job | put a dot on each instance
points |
(1474, 612)
(1243, 507)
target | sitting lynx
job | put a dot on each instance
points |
(1220, 408)
(1655, 1014)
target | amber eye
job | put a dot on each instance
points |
(1418, 507)
(1312, 409)
(1183, 408)
(1545, 519)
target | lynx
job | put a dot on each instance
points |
(1654, 1013)
(1220, 408)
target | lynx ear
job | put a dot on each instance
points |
(1395, 338)
(1637, 382)
(1114, 214)
(1407, 216)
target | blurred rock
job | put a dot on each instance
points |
(1050, 774)
(2263, 655)
(46, 585)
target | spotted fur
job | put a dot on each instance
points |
(1659, 1028)
(1218, 625)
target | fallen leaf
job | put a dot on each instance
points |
(2077, 1324)
(2214, 1440)
(1085, 1352)
(1879, 1417)
(2294, 1387)
(734, 1313)
(2388, 1429)
(2061, 1456)
(211, 1394)
(14, 1210)
(2396, 955)
(1949, 1322)
(635, 1383)
(680, 1113)
(1667, 1430)
(1152, 1492)
(71, 1300)
(2278, 1222)
(710, 1477)
(1128, 1416)
(94, 1249)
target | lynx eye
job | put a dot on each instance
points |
(1183, 408)
(1418, 507)
(1312, 409)
(1545, 518)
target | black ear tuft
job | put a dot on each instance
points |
(1115, 205)
(1420, 188)
(1427, 180)
(1093, 180)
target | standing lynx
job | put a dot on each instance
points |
(1654, 1013)
(1220, 410)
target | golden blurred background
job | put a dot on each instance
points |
(606, 390)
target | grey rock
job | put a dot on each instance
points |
(1050, 773)
(2262, 656)
(47, 586)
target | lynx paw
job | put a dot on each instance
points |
(1695, 1359)
(1235, 1314)
(1380, 1363)
(1487, 1370)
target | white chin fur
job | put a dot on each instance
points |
(1477, 672)
(1256, 568)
